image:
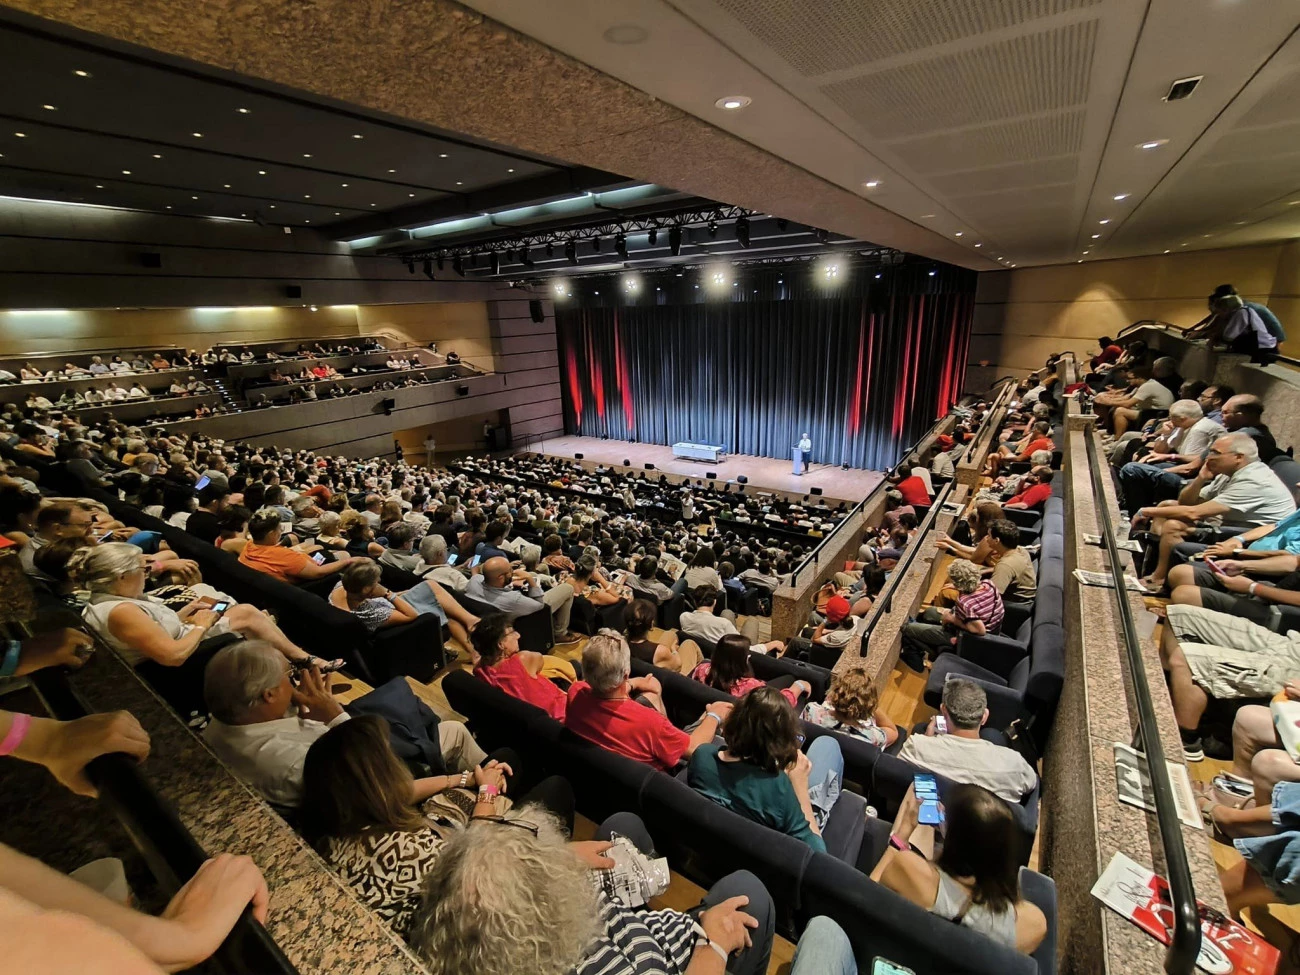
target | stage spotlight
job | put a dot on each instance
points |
(713, 228)
(510, 255)
(458, 265)
(550, 249)
(495, 262)
(525, 258)
(560, 288)
(822, 236)
(654, 236)
(933, 273)
(571, 252)
(595, 245)
(742, 231)
(675, 240)
(718, 278)
(632, 283)
(428, 269)
(440, 260)
(831, 270)
(620, 246)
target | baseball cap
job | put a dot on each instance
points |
(944, 441)
(837, 607)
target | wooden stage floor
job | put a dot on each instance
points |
(763, 472)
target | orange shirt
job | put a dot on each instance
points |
(275, 560)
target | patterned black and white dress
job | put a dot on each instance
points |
(386, 870)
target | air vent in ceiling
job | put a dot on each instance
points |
(1183, 88)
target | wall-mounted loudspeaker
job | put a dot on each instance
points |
(649, 467)
(712, 475)
(814, 490)
(293, 291)
(741, 479)
(387, 406)
(577, 456)
(536, 312)
(462, 390)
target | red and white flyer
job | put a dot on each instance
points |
(1227, 948)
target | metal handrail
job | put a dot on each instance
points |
(171, 853)
(1150, 323)
(1185, 945)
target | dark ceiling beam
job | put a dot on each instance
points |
(525, 192)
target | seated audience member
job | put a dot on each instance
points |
(540, 912)
(232, 529)
(851, 707)
(1123, 406)
(1109, 354)
(517, 593)
(915, 487)
(169, 648)
(1233, 490)
(639, 620)
(380, 828)
(1161, 473)
(978, 610)
(961, 754)
(1035, 489)
(264, 552)
(942, 463)
(204, 523)
(1038, 437)
(360, 592)
(975, 881)
(398, 554)
(601, 709)
(702, 571)
(644, 583)
(433, 564)
(763, 577)
(359, 536)
(306, 516)
(52, 523)
(729, 669)
(839, 623)
(1259, 759)
(702, 624)
(520, 673)
(1268, 839)
(589, 583)
(1013, 570)
(1241, 328)
(262, 725)
(761, 774)
(1268, 550)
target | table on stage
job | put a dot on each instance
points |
(699, 451)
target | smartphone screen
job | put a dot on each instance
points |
(883, 966)
(451, 559)
(1214, 566)
(202, 482)
(927, 794)
(940, 725)
(473, 563)
(318, 558)
(221, 607)
(105, 537)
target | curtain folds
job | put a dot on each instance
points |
(864, 374)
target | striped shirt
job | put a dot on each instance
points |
(639, 942)
(985, 603)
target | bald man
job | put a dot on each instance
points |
(516, 593)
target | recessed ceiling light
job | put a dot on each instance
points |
(459, 183)
(927, 216)
(306, 221)
(372, 204)
(1087, 252)
(243, 111)
(733, 103)
(272, 206)
(193, 197)
(410, 194)
(99, 186)
(157, 155)
(1166, 252)
(243, 214)
(306, 155)
(336, 213)
(82, 74)
(392, 170)
(442, 155)
(1152, 144)
(167, 207)
(357, 135)
(261, 172)
(871, 184)
(509, 170)
(197, 135)
(226, 185)
(1183, 244)
(1095, 236)
(306, 196)
(1120, 196)
(957, 234)
(1293, 203)
(1207, 235)
(344, 185)
(1240, 223)
(1079, 261)
(50, 108)
(1104, 222)
(979, 245)
(126, 172)
(21, 135)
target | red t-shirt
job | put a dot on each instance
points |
(1033, 496)
(743, 686)
(913, 491)
(1042, 443)
(625, 728)
(510, 676)
(1107, 355)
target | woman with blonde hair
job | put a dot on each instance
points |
(852, 707)
(169, 648)
(978, 518)
(359, 535)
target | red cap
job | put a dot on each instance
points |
(837, 607)
(944, 441)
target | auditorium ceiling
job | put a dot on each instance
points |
(1029, 131)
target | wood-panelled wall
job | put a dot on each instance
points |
(527, 357)
(1023, 315)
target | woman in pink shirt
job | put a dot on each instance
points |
(517, 672)
(729, 670)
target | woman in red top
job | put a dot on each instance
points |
(913, 488)
(729, 670)
(517, 672)
(1037, 437)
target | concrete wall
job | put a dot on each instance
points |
(525, 356)
(1023, 315)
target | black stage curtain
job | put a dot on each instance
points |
(865, 374)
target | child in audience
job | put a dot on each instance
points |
(851, 708)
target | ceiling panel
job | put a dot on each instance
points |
(1023, 140)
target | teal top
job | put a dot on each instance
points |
(764, 797)
(1285, 537)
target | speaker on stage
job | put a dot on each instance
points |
(741, 479)
(649, 467)
(815, 490)
(712, 475)
(577, 456)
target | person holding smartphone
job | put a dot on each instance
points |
(974, 881)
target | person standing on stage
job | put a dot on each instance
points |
(805, 446)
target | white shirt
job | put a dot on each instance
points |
(972, 760)
(805, 444)
(269, 755)
(1196, 439)
(711, 628)
(1254, 495)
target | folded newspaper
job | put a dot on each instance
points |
(1134, 784)
(1105, 580)
(1136, 893)
(1123, 544)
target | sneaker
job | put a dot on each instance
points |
(1192, 748)
(913, 660)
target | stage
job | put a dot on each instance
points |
(763, 472)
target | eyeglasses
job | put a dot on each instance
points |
(502, 821)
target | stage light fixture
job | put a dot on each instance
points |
(822, 236)
(560, 288)
(595, 245)
(428, 269)
(719, 279)
(495, 262)
(632, 283)
(550, 249)
(654, 236)
(620, 246)
(675, 240)
(440, 261)
(742, 231)
(713, 228)
(458, 265)
(525, 258)
(571, 251)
